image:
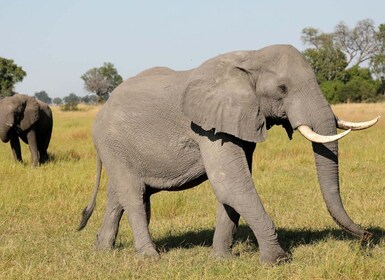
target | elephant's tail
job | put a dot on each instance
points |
(87, 212)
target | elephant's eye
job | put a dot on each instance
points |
(282, 89)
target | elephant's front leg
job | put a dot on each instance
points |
(227, 223)
(15, 146)
(228, 171)
(32, 143)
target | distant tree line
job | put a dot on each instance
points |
(100, 82)
(349, 65)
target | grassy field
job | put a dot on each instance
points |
(40, 210)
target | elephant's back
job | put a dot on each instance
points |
(150, 97)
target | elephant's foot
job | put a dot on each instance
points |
(221, 253)
(273, 255)
(103, 243)
(148, 252)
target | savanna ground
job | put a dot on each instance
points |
(40, 209)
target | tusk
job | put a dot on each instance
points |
(356, 125)
(9, 124)
(310, 135)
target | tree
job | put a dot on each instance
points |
(377, 62)
(90, 99)
(337, 60)
(359, 44)
(10, 74)
(328, 63)
(57, 101)
(333, 91)
(102, 81)
(71, 102)
(43, 96)
(314, 37)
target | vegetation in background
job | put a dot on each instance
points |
(43, 96)
(349, 63)
(102, 81)
(71, 102)
(10, 74)
(57, 101)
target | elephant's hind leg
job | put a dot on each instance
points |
(109, 230)
(130, 191)
(227, 223)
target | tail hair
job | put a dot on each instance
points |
(86, 214)
(89, 209)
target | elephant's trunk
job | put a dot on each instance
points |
(4, 132)
(7, 122)
(311, 109)
(326, 159)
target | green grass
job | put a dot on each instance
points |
(40, 210)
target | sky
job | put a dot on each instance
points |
(55, 42)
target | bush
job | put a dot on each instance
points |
(333, 91)
(70, 107)
(359, 89)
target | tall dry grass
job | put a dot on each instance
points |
(40, 210)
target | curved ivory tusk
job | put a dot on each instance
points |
(356, 125)
(310, 135)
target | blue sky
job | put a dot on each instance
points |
(57, 41)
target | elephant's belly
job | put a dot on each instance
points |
(168, 163)
(176, 166)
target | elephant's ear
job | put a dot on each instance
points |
(30, 114)
(222, 96)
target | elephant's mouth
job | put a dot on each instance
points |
(270, 122)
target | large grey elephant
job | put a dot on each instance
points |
(23, 116)
(171, 130)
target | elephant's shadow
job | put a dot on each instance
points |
(289, 239)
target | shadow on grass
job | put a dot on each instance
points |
(69, 155)
(289, 239)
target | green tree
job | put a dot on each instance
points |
(57, 101)
(43, 96)
(359, 89)
(359, 44)
(102, 81)
(90, 99)
(328, 63)
(334, 91)
(71, 102)
(337, 60)
(10, 74)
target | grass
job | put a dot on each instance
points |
(40, 210)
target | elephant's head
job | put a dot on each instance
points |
(17, 112)
(245, 93)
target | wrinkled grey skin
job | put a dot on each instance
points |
(169, 130)
(24, 117)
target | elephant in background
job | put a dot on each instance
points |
(29, 119)
(171, 130)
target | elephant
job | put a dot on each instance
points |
(24, 117)
(166, 130)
